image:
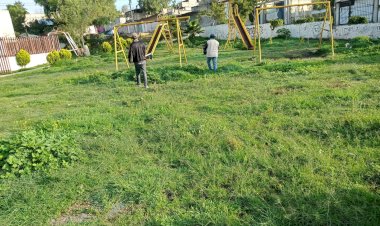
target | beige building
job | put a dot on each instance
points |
(31, 17)
(6, 28)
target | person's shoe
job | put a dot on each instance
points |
(146, 87)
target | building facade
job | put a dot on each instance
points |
(6, 28)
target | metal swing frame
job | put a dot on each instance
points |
(327, 17)
(163, 24)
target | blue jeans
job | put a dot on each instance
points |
(214, 63)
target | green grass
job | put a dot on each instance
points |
(286, 142)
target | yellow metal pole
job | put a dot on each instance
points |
(288, 6)
(183, 48)
(123, 51)
(255, 34)
(258, 33)
(331, 29)
(179, 42)
(323, 27)
(115, 33)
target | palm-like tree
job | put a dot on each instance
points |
(193, 28)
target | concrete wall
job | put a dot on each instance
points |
(306, 30)
(6, 27)
(35, 60)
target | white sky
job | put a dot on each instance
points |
(34, 8)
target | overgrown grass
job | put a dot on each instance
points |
(285, 142)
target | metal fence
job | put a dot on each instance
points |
(9, 47)
(349, 8)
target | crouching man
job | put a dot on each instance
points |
(211, 50)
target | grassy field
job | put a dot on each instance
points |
(285, 142)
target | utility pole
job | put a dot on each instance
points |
(130, 8)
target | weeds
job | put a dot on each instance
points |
(285, 142)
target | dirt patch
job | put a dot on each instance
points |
(305, 53)
(338, 84)
(120, 209)
(77, 213)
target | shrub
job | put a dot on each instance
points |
(123, 43)
(276, 23)
(129, 42)
(22, 58)
(283, 33)
(37, 151)
(307, 19)
(361, 41)
(106, 46)
(358, 20)
(65, 54)
(53, 57)
(188, 43)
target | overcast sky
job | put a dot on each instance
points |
(34, 8)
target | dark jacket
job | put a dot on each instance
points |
(136, 52)
(205, 49)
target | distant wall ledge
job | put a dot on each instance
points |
(306, 30)
(35, 60)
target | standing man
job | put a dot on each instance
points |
(136, 55)
(211, 51)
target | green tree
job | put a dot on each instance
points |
(50, 6)
(17, 12)
(193, 28)
(246, 7)
(74, 16)
(218, 12)
(153, 6)
(40, 27)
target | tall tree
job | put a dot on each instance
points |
(50, 6)
(246, 7)
(124, 9)
(153, 6)
(74, 16)
(17, 12)
(215, 10)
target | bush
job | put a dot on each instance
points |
(65, 54)
(276, 23)
(358, 20)
(123, 43)
(106, 46)
(283, 33)
(129, 42)
(307, 19)
(22, 58)
(37, 151)
(361, 41)
(53, 57)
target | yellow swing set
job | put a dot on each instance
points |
(162, 30)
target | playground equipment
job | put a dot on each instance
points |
(162, 30)
(235, 22)
(70, 40)
(327, 17)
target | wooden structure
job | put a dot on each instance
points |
(9, 47)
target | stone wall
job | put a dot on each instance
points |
(35, 60)
(306, 30)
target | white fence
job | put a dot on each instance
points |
(140, 28)
(306, 30)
